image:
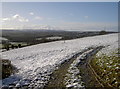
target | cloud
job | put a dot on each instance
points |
(31, 13)
(14, 18)
(5, 19)
(15, 21)
(19, 18)
(38, 18)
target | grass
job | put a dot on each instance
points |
(1, 46)
(22, 43)
(108, 67)
(6, 68)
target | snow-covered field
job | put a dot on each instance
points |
(54, 38)
(38, 61)
(109, 50)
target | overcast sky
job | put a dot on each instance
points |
(89, 16)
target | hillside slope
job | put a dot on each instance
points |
(38, 61)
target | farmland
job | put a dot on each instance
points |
(13, 38)
(39, 62)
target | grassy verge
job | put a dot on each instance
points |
(107, 68)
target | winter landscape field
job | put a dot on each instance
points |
(35, 64)
(59, 45)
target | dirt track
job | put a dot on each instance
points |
(58, 76)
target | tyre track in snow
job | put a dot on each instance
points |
(68, 74)
(57, 77)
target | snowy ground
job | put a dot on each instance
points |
(37, 62)
(109, 50)
(73, 78)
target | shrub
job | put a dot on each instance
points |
(19, 45)
(6, 68)
(12, 46)
(102, 32)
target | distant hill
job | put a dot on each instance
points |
(29, 35)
